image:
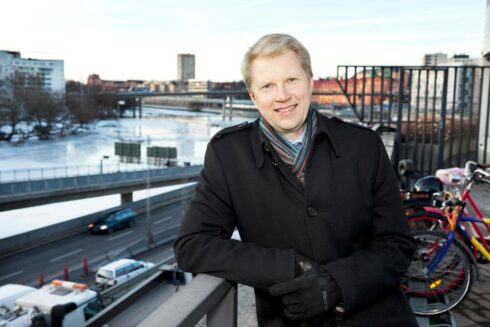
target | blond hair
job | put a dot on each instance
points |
(271, 45)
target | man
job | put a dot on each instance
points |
(315, 200)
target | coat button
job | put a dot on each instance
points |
(312, 212)
(274, 163)
(266, 148)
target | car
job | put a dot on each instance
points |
(120, 271)
(114, 221)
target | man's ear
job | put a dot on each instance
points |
(252, 95)
(312, 82)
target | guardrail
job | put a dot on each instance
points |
(125, 294)
(205, 295)
(80, 181)
(32, 174)
(30, 193)
(115, 292)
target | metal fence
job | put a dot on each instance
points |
(57, 172)
(106, 179)
(440, 113)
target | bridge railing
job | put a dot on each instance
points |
(152, 174)
(32, 174)
(205, 295)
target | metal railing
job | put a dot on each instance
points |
(112, 179)
(440, 113)
(32, 174)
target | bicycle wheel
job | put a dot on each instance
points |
(427, 221)
(446, 286)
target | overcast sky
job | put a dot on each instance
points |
(120, 39)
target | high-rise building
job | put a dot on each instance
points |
(434, 59)
(186, 66)
(50, 72)
(486, 40)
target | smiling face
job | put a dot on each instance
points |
(281, 91)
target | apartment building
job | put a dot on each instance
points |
(50, 72)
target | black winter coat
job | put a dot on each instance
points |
(348, 216)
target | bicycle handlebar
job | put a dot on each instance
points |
(454, 202)
(476, 172)
(470, 167)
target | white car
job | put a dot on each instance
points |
(120, 271)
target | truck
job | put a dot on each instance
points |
(60, 303)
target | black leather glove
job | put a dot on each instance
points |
(303, 264)
(308, 295)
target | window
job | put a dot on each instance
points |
(105, 273)
(123, 271)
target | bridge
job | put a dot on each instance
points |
(38, 190)
(225, 102)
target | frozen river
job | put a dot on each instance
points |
(188, 132)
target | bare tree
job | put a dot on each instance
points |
(42, 108)
(81, 103)
(11, 104)
(106, 105)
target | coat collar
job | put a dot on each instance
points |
(260, 144)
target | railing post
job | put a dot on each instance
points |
(398, 143)
(225, 311)
(224, 108)
(231, 108)
(483, 137)
(442, 122)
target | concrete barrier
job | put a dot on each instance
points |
(24, 241)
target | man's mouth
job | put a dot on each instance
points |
(286, 109)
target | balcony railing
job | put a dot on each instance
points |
(205, 295)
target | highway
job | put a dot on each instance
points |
(50, 259)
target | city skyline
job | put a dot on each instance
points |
(121, 41)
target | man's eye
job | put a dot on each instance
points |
(266, 86)
(292, 79)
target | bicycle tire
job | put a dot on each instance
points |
(447, 285)
(427, 221)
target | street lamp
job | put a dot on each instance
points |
(101, 163)
(119, 104)
(149, 233)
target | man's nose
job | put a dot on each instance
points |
(282, 94)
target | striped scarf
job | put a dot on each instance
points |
(294, 157)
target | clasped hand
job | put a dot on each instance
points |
(310, 294)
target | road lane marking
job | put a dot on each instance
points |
(118, 236)
(12, 274)
(135, 242)
(162, 220)
(66, 255)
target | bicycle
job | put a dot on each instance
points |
(427, 193)
(442, 271)
(431, 216)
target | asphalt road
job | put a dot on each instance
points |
(50, 259)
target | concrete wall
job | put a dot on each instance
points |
(34, 238)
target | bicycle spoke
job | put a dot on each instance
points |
(439, 290)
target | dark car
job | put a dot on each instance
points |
(114, 221)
